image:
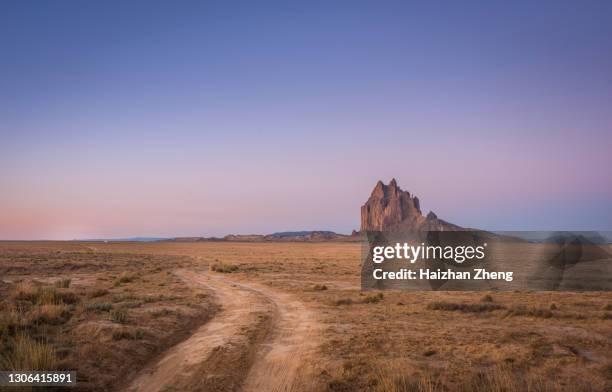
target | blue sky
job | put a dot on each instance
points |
(205, 118)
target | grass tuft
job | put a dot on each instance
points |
(373, 299)
(522, 310)
(466, 308)
(125, 334)
(98, 307)
(344, 301)
(49, 314)
(223, 267)
(29, 354)
(63, 283)
(97, 293)
(119, 315)
(124, 278)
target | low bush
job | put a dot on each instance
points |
(124, 278)
(522, 310)
(97, 293)
(162, 312)
(98, 307)
(44, 295)
(128, 335)
(49, 314)
(372, 299)
(344, 301)
(119, 315)
(223, 267)
(466, 308)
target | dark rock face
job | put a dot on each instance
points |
(389, 208)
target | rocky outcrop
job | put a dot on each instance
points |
(389, 208)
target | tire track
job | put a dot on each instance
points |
(282, 362)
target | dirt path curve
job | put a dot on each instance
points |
(278, 363)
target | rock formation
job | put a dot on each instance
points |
(389, 208)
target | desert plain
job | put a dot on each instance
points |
(240, 316)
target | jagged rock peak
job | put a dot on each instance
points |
(391, 208)
(388, 206)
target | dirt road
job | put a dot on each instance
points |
(260, 340)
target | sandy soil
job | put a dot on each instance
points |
(277, 364)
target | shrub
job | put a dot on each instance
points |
(63, 283)
(28, 354)
(344, 301)
(132, 304)
(98, 307)
(372, 299)
(124, 297)
(161, 312)
(466, 308)
(129, 335)
(44, 295)
(553, 306)
(97, 293)
(522, 310)
(156, 298)
(487, 298)
(124, 278)
(10, 320)
(49, 314)
(223, 267)
(119, 315)
(319, 287)
(395, 377)
(608, 307)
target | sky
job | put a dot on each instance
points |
(146, 118)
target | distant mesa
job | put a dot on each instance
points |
(390, 208)
(285, 236)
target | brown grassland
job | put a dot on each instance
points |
(291, 316)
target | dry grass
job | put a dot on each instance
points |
(487, 298)
(522, 310)
(97, 293)
(98, 307)
(445, 341)
(55, 307)
(119, 315)
(63, 283)
(462, 307)
(395, 376)
(49, 314)
(44, 295)
(128, 334)
(222, 267)
(124, 278)
(373, 299)
(25, 353)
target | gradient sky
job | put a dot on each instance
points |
(206, 118)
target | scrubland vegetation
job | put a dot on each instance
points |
(108, 311)
(101, 314)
